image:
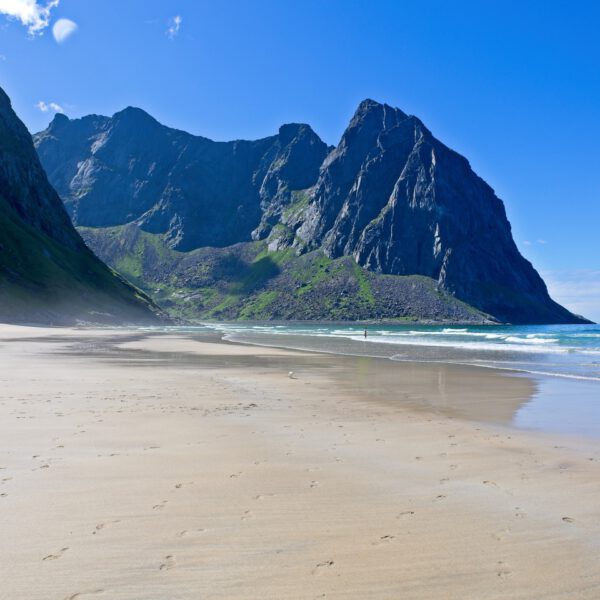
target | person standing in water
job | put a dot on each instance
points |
(365, 333)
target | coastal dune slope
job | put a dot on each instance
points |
(47, 274)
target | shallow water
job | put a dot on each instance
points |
(570, 351)
(562, 362)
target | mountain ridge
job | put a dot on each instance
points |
(47, 273)
(390, 195)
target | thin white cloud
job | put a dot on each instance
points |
(32, 14)
(526, 243)
(578, 290)
(49, 106)
(174, 25)
(63, 29)
(542, 242)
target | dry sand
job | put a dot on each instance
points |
(146, 467)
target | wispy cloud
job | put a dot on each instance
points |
(49, 107)
(530, 243)
(32, 14)
(174, 25)
(63, 29)
(578, 290)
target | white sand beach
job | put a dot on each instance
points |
(159, 467)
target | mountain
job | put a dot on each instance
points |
(47, 274)
(389, 224)
(112, 171)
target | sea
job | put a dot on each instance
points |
(566, 351)
(563, 360)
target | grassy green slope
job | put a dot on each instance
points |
(43, 281)
(246, 281)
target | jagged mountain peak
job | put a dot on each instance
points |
(389, 195)
(126, 168)
(377, 115)
(289, 131)
(59, 119)
(135, 116)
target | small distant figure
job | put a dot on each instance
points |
(365, 333)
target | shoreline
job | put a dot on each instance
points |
(138, 465)
(513, 370)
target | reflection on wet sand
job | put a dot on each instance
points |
(154, 466)
(459, 391)
(455, 390)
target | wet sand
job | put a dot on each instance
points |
(161, 467)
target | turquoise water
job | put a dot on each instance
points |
(563, 360)
(568, 351)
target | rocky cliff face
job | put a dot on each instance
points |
(47, 274)
(401, 202)
(195, 191)
(390, 196)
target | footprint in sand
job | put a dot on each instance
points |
(82, 594)
(178, 486)
(406, 513)
(191, 532)
(500, 535)
(160, 505)
(384, 539)
(568, 519)
(263, 496)
(322, 566)
(314, 484)
(247, 515)
(168, 564)
(55, 556)
(101, 526)
(502, 572)
(439, 497)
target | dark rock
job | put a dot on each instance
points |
(47, 274)
(390, 196)
(130, 168)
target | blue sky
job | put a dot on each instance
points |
(514, 86)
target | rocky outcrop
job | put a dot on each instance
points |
(130, 168)
(400, 202)
(47, 274)
(390, 196)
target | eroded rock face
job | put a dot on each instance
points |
(24, 185)
(112, 171)
(47, 273)
(390, 195)
(401, 202)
